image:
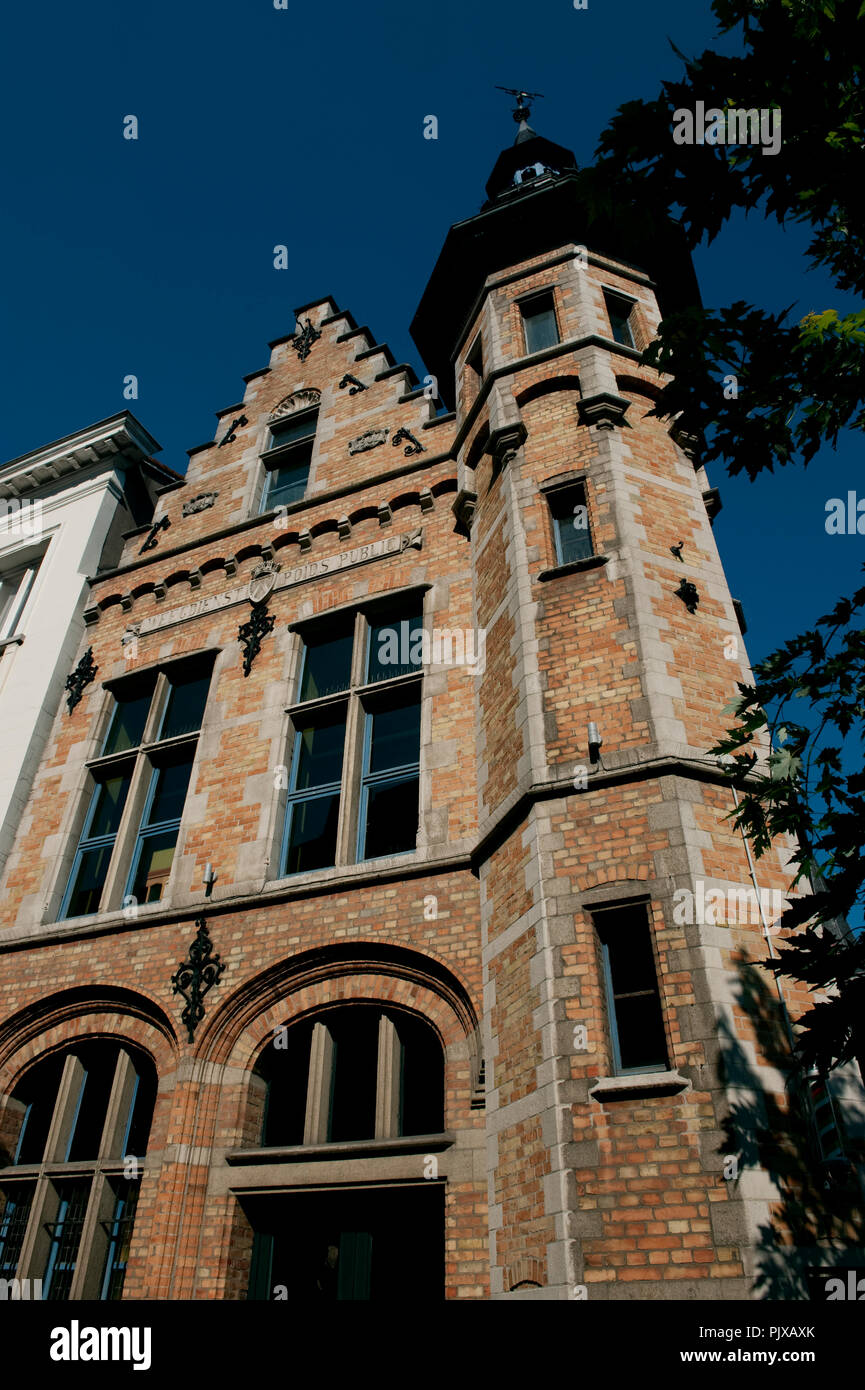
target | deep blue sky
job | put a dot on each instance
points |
(304, 126)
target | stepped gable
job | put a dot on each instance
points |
(355, 435)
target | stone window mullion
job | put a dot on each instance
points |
(387, 1089)
(35, 1246)
(319, 1087)
(119, 1105)
(93, 1244)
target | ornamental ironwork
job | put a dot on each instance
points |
(152, 535)
(196, 976)
(413, 446)
(201, 503)
(231, 433)
(357, 386)
(253, 631)
(302, 342)
(687, 592)
(83, 674)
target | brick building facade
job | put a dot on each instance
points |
(404, 715)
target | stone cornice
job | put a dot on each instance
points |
(102, 443)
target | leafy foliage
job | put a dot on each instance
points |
(804, 382)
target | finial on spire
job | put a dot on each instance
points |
(521, 112)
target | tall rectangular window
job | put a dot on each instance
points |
(570, 519)
(149, 744)
(315, 785)
(539, 323)
(620, 311)
(354, 767)
(287, 460)
(391, 777)
(633, 998)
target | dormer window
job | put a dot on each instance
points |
(287, 460)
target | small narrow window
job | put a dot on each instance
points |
(287, 460)
(633, 998)
(539, 323)
(570, 518)
(475, 362)
(620, 311)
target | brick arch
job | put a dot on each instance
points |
(547, 387)
(621, 873)
(378, 970)
(49, 1024)
(526, 1271)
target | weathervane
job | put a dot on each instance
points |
(522, 111)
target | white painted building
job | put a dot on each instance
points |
(63, 511)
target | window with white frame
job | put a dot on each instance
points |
(16, 587)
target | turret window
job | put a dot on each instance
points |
(634, 1010)
(539, 323)
(620, 312)
(570, 520)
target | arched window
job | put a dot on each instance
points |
(350, 1073)
(79, 1122)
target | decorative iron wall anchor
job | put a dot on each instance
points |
(358, 385)
(302, 342)
(677, 550)
(687, 592)
(196, 976)
(230, 435)
(150, 542)
(253, 631)
(413, 447)
(199, 503)
(82, 675)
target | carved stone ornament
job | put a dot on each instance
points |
(371, 440)
(201, 503)
(195, 976)
(83, 674)
(605, 410)
(297, 400)
(262, 580)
